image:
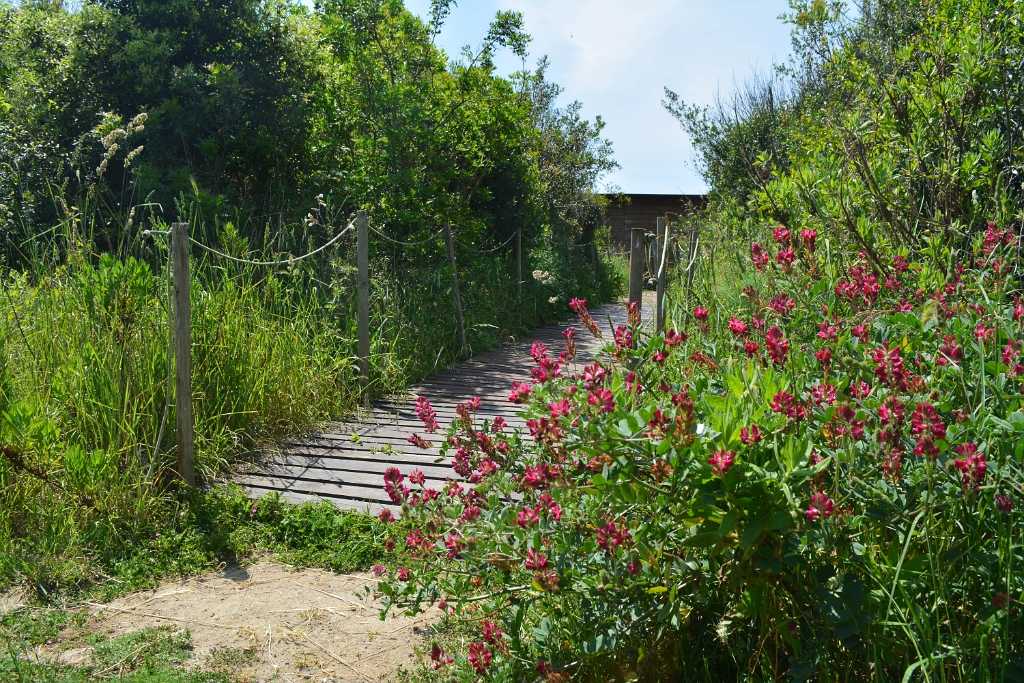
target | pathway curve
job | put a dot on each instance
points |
(345, 462)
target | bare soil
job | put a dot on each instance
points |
(270, 622)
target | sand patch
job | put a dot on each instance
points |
(271, 622)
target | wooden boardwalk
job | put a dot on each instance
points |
(345, 462)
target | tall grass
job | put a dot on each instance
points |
(86, 405)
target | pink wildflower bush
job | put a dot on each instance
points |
(826, 478)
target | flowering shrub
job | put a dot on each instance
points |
(823, 485)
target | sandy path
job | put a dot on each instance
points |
(279, 623)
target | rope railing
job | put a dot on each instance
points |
(279, 262)
(181, 337)
(492, 249)
(412, 243)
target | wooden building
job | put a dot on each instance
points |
(626, 211)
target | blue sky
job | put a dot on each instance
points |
(616, 56)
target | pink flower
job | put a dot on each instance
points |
(491, 632)
(673, 338)
(750, 435)
(737, 327)
(823, 394)
(783, 305)
(785, 257)
(860, 389)
(659, 356)
(721, 461)
(633, 311)
(426, 414)
(700, 313)
(570, 343)
(577, 305)
(827, 331)
(440, 659)
(777, 345)
(480, 657)
(820, 506)
(454, 543)
(379, 570)
(786, 404)
(535, 560)
(611, 536)
(972, 465)
(538, 351)
(404, 574)
(417, 477)
(824, 357)
(560, 408)
(527, 517)
(1004, 503)
(520, 392)
(927, 426)
(602, 397)
(759, 256)
(623, 338)
(808, 237)
(386, 516)
(418, 441)
(781, 234)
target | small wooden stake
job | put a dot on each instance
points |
(636, 265)
(691, 254)
(663, 237)
(182, 330)
(363, 300)
(456, 296)
(519, 264)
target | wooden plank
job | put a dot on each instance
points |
(371, 493)
(343, 503)
(434, 471)
(307, 472)
(367, 453)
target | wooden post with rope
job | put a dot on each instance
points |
(363, 300)
(460, 320)
(182, 341)
(663, 239)
(636, 265)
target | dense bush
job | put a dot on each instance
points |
(822, 484)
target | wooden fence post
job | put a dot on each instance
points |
(691, 256)
(663, 240)
(182, 330)
(519, 264)
(636, 265)
(363, 300)
(456, 295)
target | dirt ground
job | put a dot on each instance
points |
(269, 622)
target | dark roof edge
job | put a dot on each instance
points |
(652, 195)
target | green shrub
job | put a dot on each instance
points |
(822, 483)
